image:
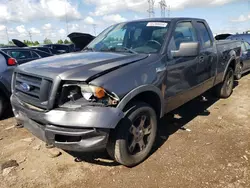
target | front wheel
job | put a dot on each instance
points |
(131, 142)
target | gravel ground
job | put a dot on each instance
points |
(202, 144)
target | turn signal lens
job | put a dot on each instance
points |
(99, 92)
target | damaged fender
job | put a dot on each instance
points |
(144, 88)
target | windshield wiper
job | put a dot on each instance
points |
(129, 50)
(120, 49)
(88, 49)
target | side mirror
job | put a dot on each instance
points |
(187, 49)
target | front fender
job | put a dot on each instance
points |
(144, 88)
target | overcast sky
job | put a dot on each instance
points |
(47, 18)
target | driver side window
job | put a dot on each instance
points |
(184, 32)
(116, 39)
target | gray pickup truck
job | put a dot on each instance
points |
(111, 95)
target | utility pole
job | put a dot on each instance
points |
(94, 29)
(30, 35)
(66, 17)
(7, 34)
(163, 7)
(151, 12)
(168, 10)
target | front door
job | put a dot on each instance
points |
(181, 77)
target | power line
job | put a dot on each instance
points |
(168, 10)
(66, 17)
(151, 12)
(94, 29)
(30, 35)
(7, 34)
(163, 7)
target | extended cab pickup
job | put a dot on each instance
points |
(112, 94)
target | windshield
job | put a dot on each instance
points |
(133, 37)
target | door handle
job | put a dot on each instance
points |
(161, 69)
(201, 59)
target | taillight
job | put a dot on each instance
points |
(12, 62)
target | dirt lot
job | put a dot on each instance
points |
(212, 150)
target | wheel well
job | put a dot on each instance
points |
(232, 64)
(150, 98)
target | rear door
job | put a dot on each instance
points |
(206, 67)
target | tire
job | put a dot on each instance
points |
(225, 89)
(239, 72)
(132, 140)
(2, 105)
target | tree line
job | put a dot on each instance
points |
(36, 43)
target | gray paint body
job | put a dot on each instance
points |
(173, 80)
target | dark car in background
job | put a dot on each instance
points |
(7, 66)
(20, 44)
(244, 65)
(60, 48)
(9, 59)
(23, 55)
(245, 37)
(80, 40)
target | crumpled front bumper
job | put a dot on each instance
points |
(85, 129)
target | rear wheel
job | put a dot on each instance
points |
(225, 89)
(131, 142)
(239, 71)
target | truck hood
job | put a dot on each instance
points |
(82, 66)
(19, 43)
(80, 39)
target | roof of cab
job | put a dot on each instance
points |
(167, 19)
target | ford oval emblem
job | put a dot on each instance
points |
(25, 87)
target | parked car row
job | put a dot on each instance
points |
(80, 40)
(244, 65)
(111, 95)
(12, 56)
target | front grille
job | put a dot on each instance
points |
(37, 89)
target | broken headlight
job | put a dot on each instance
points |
(84, 93)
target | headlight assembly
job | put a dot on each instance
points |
(82, 93)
